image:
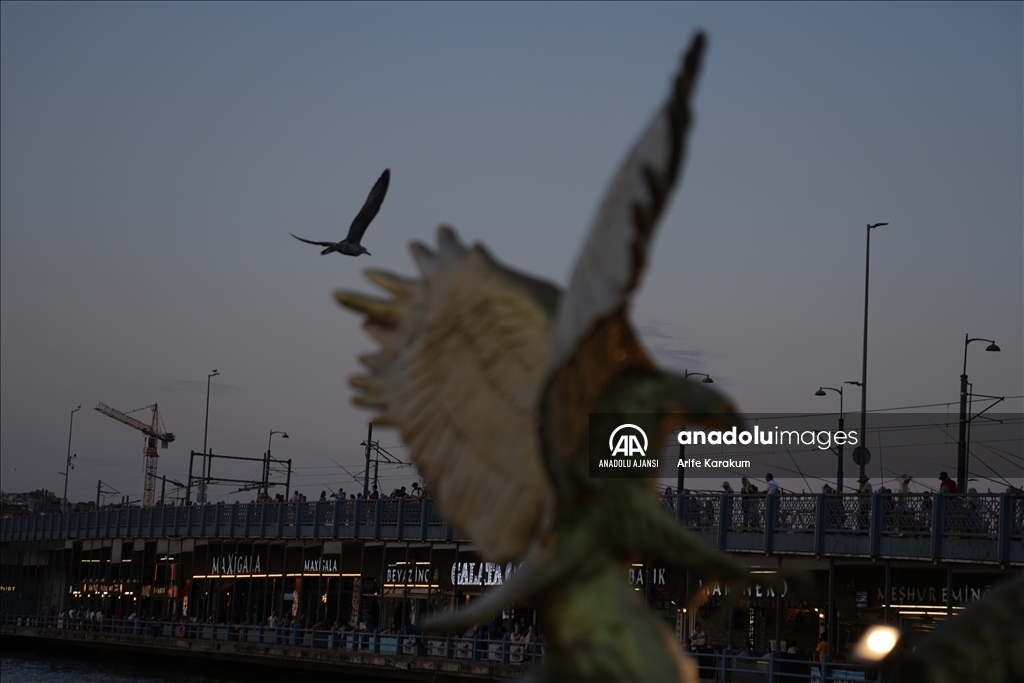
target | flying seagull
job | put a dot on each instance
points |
(350, 245)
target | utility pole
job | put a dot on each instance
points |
(864, 363)
(961, 447)
(206, 429)
(366, 473)
(67, 465)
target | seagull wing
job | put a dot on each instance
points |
(462, 358)
(366, 214)
(594, 340)
(319, 244)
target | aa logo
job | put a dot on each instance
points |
(628, 443)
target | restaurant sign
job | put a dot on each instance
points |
(235, 564)
(480, 573)
(932, 595)
(324, 565)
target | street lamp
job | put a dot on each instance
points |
(961, 448)
(266, 459)
(681, 471)
(864, 364)
(67, 465)
(707, 378)
(206, 428)
(839, 468)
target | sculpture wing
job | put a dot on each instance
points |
(594, 341)
(370, 208)
(462, 358)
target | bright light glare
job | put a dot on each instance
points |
(877, 642)
(881, 642)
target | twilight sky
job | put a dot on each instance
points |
(155, 156)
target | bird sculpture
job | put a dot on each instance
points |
(350, 246)
(490, 376)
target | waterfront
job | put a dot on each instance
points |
(23, 666)
(29, 664)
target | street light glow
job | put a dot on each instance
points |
(877, 643)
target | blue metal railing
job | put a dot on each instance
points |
(959, 527)
(503, 651)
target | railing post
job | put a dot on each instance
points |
(680, 504)
(772, 658)
(424, 508)
(938, 523)
(1005, 527)
(875, 529)
(476, 647)
(378, 508)
(771, 505)
(819, 525)
(723, 672)
(400, 531)
(234, 516)
(317, 506)
(505, 649)
(297, 518)
(357, 522)
(337, 516)
(724, 518)
(263, 519)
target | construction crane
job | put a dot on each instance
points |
(153, 434)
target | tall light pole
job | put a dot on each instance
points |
(681, 471)
(839, 454)
(864, 364)
(67, 465)
(206, 429)
(961, 446)
(266, 460)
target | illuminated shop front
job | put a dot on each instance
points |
(378, 584)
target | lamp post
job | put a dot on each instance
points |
(681, 471)
(839, 467)
(67, 465)
(864, 363)
(961, 447)
(206, 429)
(266, 460)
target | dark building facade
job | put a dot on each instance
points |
(378, 564)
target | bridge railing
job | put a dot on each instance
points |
(504, 650)
(921, 526)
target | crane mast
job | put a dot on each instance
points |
(153, 434)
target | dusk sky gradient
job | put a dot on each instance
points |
(155, 157)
